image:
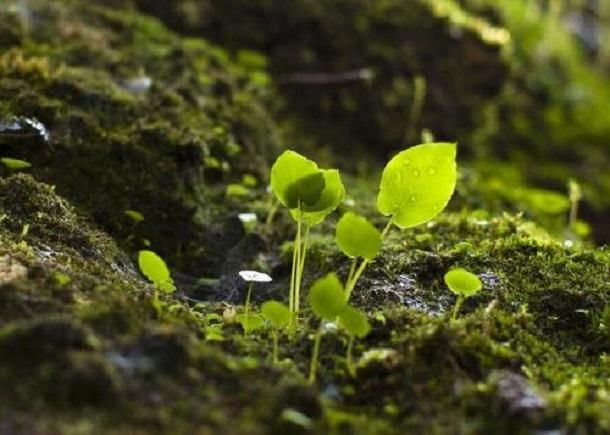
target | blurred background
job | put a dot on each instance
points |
(522, 85)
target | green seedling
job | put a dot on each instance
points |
(416, 185)
(249, 321)
(154, 268)
(134, 215)
(327, 300)
(464, 284)
(310, 194)
(357, 238)
(279, 316)
(15, 164)
(357, 325)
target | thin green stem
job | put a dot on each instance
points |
(247, 307)
(351, 284)
(272, 211)
(303, 254)
(315, 354)
(352, 269)
(275, 347)
(456, 309)
(350, 363)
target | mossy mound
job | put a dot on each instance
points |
(121, 114)
(360, 76)
(87, 351)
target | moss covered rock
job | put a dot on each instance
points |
(121, 114)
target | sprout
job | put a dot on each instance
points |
(134, 215)
(154, 268)
(357, 238)
(249, 321)
(248, 220)
(416, 186)
(357, 325)
(327, 300)
(310, 194)
(464, 284)
(279, 316)
(15, 164)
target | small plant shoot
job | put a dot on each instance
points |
(15, 164)
(310, 194)
(357, 238)
(249, 321)
(154, 268)
(416, 185)
(464, 284)
(279, 316)
(357, 325)
(327, 300)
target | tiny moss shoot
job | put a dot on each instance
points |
(464, 284)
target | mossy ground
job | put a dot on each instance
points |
(84, 349)
(87, 352)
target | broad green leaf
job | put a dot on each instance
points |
(462, 282)
(250, 322)
(357, 237)
(306, 190)
(154, 268)
(355, 322)
(15, 164)
(288, 169)
(326, 297)
(331, 197)
(418, 183)
(276, 313)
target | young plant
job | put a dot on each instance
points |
(464, 284)
(154, 268)
(416, 185)
(357, 238)
(357, 326)
(15, 164)
(249, 321)
(279, 316)
(327, 300)
(310, 194)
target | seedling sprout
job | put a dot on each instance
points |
(327, 300)
(310, 194)
(279, 316)
(154, 268)
(357, 325)
(251, 321)
(464, 284)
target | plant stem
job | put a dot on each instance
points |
(350, 364)
(352, 269)
(351, 284)
(275, 347)
(247, 307)
(303, 254)
(315, 354)
(272, 211)
(456, 309)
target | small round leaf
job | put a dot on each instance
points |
(154, 268)
(250, 322)
(329, 200)
(418, 183)
(276, 313)
(462, 282)
(288, 169)
(326, 297)
(355, 322)
(357, 237)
